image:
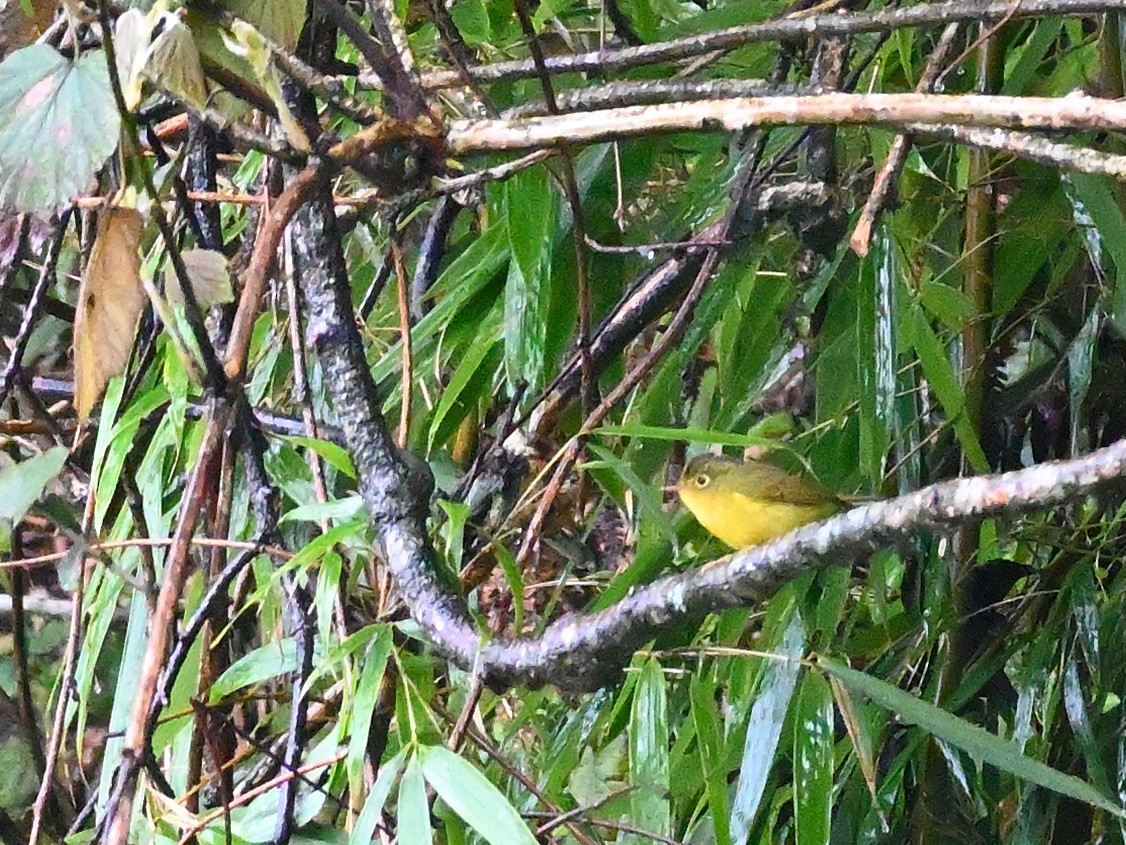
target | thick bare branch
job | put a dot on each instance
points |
(1079, 112)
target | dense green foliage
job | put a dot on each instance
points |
(957, 688)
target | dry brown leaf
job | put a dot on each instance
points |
(110, 301)
(208, 276)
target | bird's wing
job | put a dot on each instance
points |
(774, 484)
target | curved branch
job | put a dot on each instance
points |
(585, 651)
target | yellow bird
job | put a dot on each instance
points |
(745, 503)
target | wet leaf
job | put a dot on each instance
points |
(765, 728)
(813, 761)
(58, 124)
(473, 797)
(649, 751)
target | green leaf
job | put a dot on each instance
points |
(942, 378)
(466, 276)
(813, 761)
(473, 797)
(649, 752)
(764, 730)
(364, 831)
(690, 435)
(336, 455)
(21, 484)
(645, 492)
(467, 367)
(413, 808)
(268, 661)
(1097, 206)
(278, 20)
(977, 742)
(1031, 229)
(338, 510)
(472, 21)
(530, 205)
(709, 744)
(372, 668)
(58, 125)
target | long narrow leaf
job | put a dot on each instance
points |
(976, 741)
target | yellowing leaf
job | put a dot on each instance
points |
(247, 43)
(130, 38)
(174, 66)
(110, 300)
(207, 273)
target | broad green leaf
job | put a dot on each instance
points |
(338, 510)
(58, 125)
(371, 670)
(467, 368)
(472, 20)
(768, 713)
(278, 20)
(977, 742)
(21, 484)
(1097, 210)
(710, 746)
(943, 380)
(530, 213)
(473, 797)
(948, 304)
(649, 752)
(1031, 229)
(364, 831)
(813, 761)
(268, 661)
(413, 808)
(1024, 61)
(336, 455)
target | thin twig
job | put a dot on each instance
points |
(402, 298)
(885, 180)
(793, 28)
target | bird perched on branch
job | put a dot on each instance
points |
(745, 503)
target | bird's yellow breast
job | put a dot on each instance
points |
(740, 521)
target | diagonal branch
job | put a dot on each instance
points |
(585, 651)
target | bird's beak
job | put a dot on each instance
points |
(672, 488)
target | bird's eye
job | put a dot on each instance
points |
(703, 481)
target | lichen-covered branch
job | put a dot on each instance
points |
(468, 137)
(584, 651)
